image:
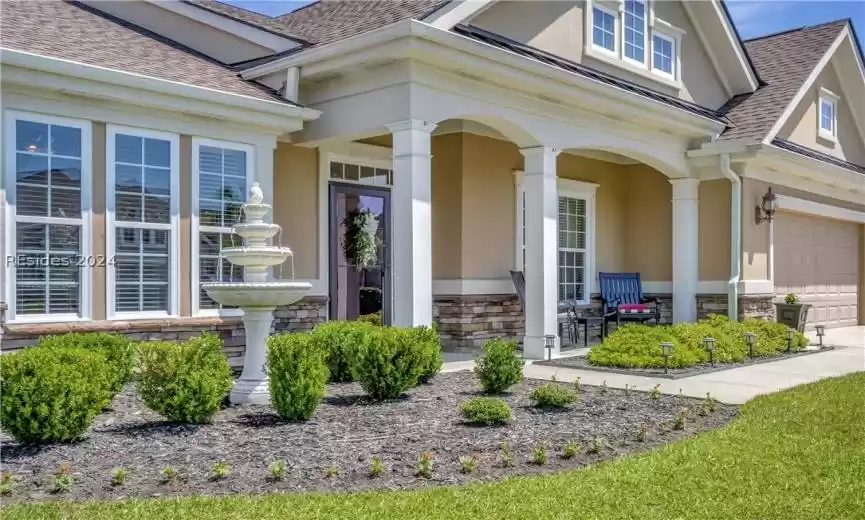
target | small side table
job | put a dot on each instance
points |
(587, 318)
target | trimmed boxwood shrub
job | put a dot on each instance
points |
(338, 340)
(186, 381)
(486, 411)
(388, 362)
(298, 374)
(53, 394)
(427, 341)
(553, 395)
(500, 367)
(772, 337)
(119, 351)
(634, 345)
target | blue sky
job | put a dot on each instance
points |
(753, 18)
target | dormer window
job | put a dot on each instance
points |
(664, 54)
(828, 118)
(604, 29)
(635, 30)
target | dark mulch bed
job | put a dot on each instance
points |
(346, 431)
(582, 363)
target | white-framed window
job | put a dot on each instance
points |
(664, 54)
(604, 28)
(360, 171)
(634, 34)
(222, 174)
(827, 121)
(142, 224)
(576, 237)
(48, 217)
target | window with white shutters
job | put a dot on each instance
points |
(48, 193)
(143, 192)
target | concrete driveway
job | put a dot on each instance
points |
(729, 386)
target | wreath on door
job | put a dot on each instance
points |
(360, 245)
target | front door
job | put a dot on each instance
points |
(359, 252)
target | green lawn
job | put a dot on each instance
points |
(795, 455)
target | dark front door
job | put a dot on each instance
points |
(359, 252)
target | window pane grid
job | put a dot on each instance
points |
(361, 174)
(604, 29)
(663, 55)
(635, 34)
(48, 160)
(572, 248)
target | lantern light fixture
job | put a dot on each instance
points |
(821, 331)
(789, 333)
(550, 344)
(750, 339)
(666, 349)
(709, 342)
(766, 210)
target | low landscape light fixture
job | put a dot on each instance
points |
(750, 339)
(767, 207)
(666, 349)
(789, 333)
(821, 330)
(550, 344)
(710, 346)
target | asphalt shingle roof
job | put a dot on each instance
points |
(77, 32)
(783, 60)
(257, 20)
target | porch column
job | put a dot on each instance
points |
(412, 225)
(541, 266)
(686, 242)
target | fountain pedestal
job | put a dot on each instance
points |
(257, 296)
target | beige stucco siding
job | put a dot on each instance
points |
(99, 272)
(185, 225)
(648, 229)
(447, 206)
(558, 27)
(801, 127)
(295, 195)
(862, 274)
(714, 204)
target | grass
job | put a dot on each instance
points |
(798, 454)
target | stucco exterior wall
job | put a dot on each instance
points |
(295, 195)
(649, 227)
(97, 236)
(714, 206)
(558, 27)
(447, 206)
(801, 127)
(862, 274)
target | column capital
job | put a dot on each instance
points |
(539, 150)
(412, 124)
(685, 188)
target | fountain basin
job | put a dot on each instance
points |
(261, 295)
(253, 231)
(257, 256)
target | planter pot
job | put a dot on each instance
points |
(793, 315)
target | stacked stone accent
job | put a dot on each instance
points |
(303, 315)
(466, 321)
(711, 304)
(757, 306)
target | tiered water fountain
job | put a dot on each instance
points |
(258, 295)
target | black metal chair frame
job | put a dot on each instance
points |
(566, 310)
(622, 289)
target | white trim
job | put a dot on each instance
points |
(586, 191)
(803, 90)
(241, 30)
(85, 222)
(794, 204)
(468, 286)
(173, 227)
(194, 276)
(614, 52)
(447, 16)
(710, 287)
(622, 46)
(826, 96)
(756, 287)
(738, 47)
(674, 42)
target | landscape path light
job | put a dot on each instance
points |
(550, 344)
(789, 332)
(666, 349)
(710, 346)
(750, 339)
(821, 330)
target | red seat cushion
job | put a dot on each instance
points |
(634, 307)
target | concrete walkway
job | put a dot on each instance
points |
(729, 386)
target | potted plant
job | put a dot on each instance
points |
(792, 313)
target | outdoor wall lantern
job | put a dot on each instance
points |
(550, 344)
(821, 330)
(750, 339)
(710, 346)
(766, 209)
(666, 349)
(789, 333)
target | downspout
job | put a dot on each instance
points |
(735, 237)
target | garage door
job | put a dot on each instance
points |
(818, 259)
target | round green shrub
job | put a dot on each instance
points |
(52, 394)
(339, 340)
(298, 374)
(772, 337)
(426, 340)
(500, 367)
(119, 351)
(186, 381)
(690, 336)
(635, 345)
(553, 395)
(486, 411)
(389, 362)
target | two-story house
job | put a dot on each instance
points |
(469, 139)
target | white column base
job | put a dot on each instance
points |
(535, 347)
(252, 387)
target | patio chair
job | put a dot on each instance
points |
(566, 313)
(622, 295)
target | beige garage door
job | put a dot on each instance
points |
(818, 259)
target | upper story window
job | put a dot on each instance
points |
(604, 29)
(633, 38)
(635, 30)
(48, 239)
(828, 118)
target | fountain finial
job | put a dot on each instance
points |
(255, 194)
